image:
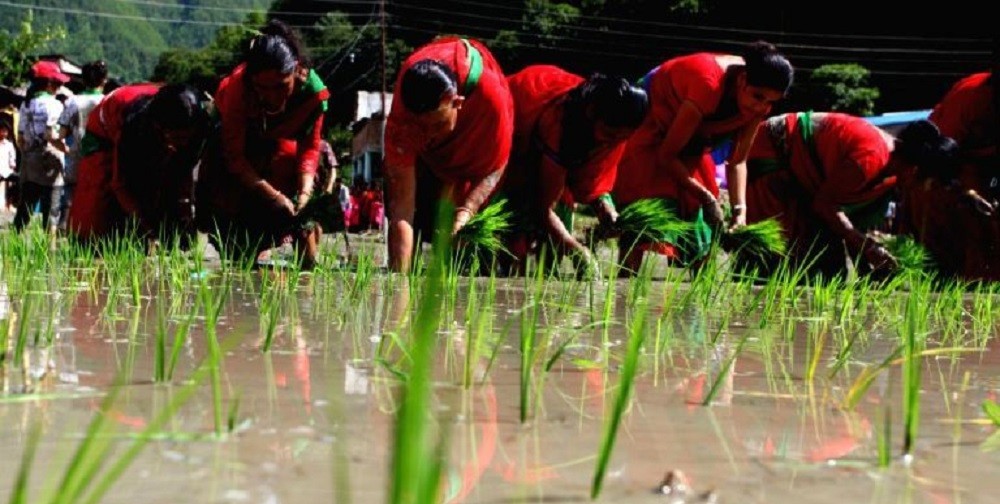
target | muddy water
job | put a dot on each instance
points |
(314, 420)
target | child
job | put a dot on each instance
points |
(8, 162)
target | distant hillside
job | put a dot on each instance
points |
(129, 34)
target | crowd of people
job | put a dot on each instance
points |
(242, 164)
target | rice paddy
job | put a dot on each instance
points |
(172, 377)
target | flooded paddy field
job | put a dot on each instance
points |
(173, 378)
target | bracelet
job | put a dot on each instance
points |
(739, 207)
(465, 209)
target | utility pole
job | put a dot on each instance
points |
(382, 16)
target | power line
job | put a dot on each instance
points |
(654, 61)
(644, 49)
(984, 53)
(129, 17)
(665, 24)
(152, 3)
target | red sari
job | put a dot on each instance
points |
(539, 93)
(701, 79)
(963, 242)
(536, 168)
(836, 161)
(112, 190)
(479, 145)
(254, 145)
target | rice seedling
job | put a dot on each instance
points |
(626, 383)
(418, 458)
(19, 494)
(914, 329)
(992, 411)
(655, 220)
(529, 343)
(724, 371)
(762, 241)
(482, 237)
(912, 257)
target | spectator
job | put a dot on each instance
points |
(42, 164)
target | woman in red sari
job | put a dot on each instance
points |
(828, 178)
(697, 101)
(262, 169)
(965, 240)
(448, 135)
(569, 137)
(141, 145)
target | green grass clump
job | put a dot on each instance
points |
(761, 240)
(483, 234)
(911, 256)
(653, 219)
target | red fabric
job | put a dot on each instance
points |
(854, 155)
(962, 242)
(241, 114)
(538, 93)
(481, 141)
(701, 79)
(101, 198)
(966, 113)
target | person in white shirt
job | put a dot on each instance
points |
(73, 124)
(42, 160)
(8, 159)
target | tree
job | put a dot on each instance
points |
(19, 51)
(843, 88)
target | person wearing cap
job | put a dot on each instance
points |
(42, 160)
(448, 137)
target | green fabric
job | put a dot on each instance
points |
(566, 215)
(607, 197)
(692, 245)
(91, 143)
(475, 61)
(314, 84)
(868, 215)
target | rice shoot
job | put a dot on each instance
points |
(761, 240)
(483, 234)
(653, 220)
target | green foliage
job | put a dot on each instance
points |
(653, 219)
(205, 67)
(129, 35)
(18, 50)
(843, 88)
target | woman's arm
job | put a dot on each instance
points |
(736, 173)
(679, 133)
(401, 190)
(475, 198)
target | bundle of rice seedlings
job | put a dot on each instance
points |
(653, 220)
(483, 234)
(761, 240)
(323, 209)
(911, 256)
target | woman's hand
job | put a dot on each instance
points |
(462, 216)
(879, 258)
(713, 214)
(739, 217)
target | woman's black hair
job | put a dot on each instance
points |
(425, 84)
(611, 100)
(177, 107)
(768, 68)
(276, 48)
(921, 144)
(94, 74)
